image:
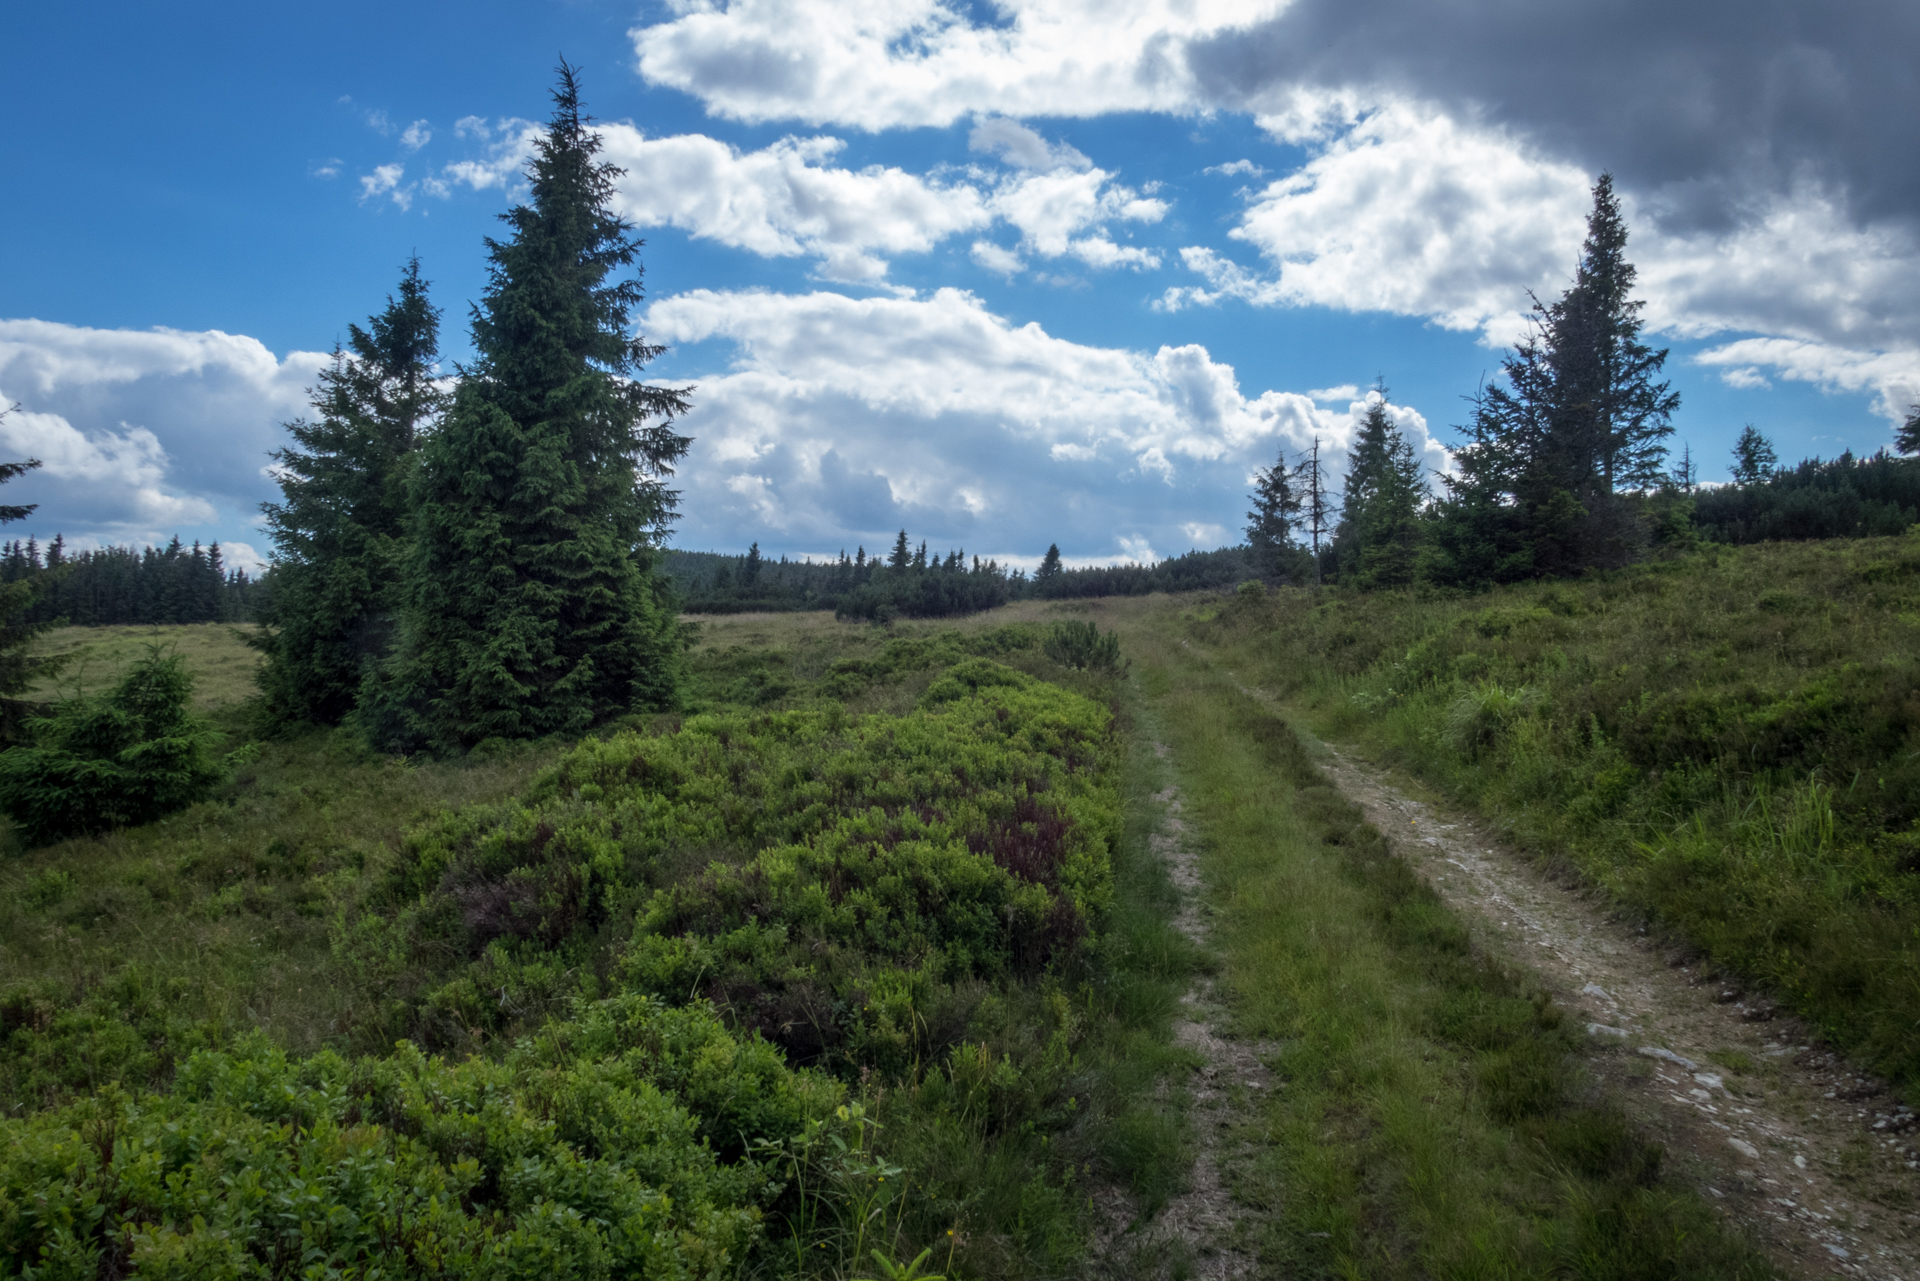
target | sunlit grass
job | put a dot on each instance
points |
(217, 654)
(1730, 743)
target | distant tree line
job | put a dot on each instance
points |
(118, 586)
(1844, 497)
(911, 583)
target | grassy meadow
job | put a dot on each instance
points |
(1728, 742)
(94, 658)
(862, 951)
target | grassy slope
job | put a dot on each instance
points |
(1399, 1133)
(1730, 742)
(1434, 1121)
(129, 951)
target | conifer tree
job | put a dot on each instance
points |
(1908, 439)
(1578, 420)
(1379, 534)
(902, 554)
(1753, 457)
(17, 668)
(340, 528)
(1049, 567)
(532, 606)
(1276, 509)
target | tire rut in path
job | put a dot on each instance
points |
(1807, 1152)
(1205, 1224)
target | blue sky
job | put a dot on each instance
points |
(1053, 271)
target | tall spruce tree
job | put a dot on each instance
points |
(1753, 457)
(1907, 441)
(1050, 567)
(340, 530)
(1377, 543)
(1276, 510)
(532, 606)
(1551, 453)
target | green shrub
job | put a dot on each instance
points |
(1083, 646)
(824, 878)
(127, 756)
(614, 1144)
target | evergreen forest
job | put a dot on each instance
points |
(1510, 872)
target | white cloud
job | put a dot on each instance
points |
(1233, 167)
(1747, 378)
(1406, 210)
(128, 463)
(239, 555)
(385, 181)
(996, 258)
(1052, 209)
(790, 198)
(510, 144)
(113, 414)
(787, 199)
(417, 135)
(922, 62)
(1018, 145)
(1409, 212)
(1893, 377)
(851, 417)
(1794, 267)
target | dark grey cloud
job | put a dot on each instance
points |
(1704, 104)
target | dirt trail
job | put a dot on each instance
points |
(1817, 1158)
(1205, 1226)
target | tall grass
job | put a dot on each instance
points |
(1729, 743)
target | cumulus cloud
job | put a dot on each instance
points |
(128, 463)
(417, 135)
(851, 417)
(1705, 105)
(1065, 211)
(113, 413)
(1892, 377)
(1403, 209)
(1770, 182)
(998, 258)
(509, 145)
(924, 62)
(1018, 145)
(788, 199)
(1408, 212)
(385, 181)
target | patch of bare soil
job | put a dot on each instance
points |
(1204, 1233)
(1817, 1159)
